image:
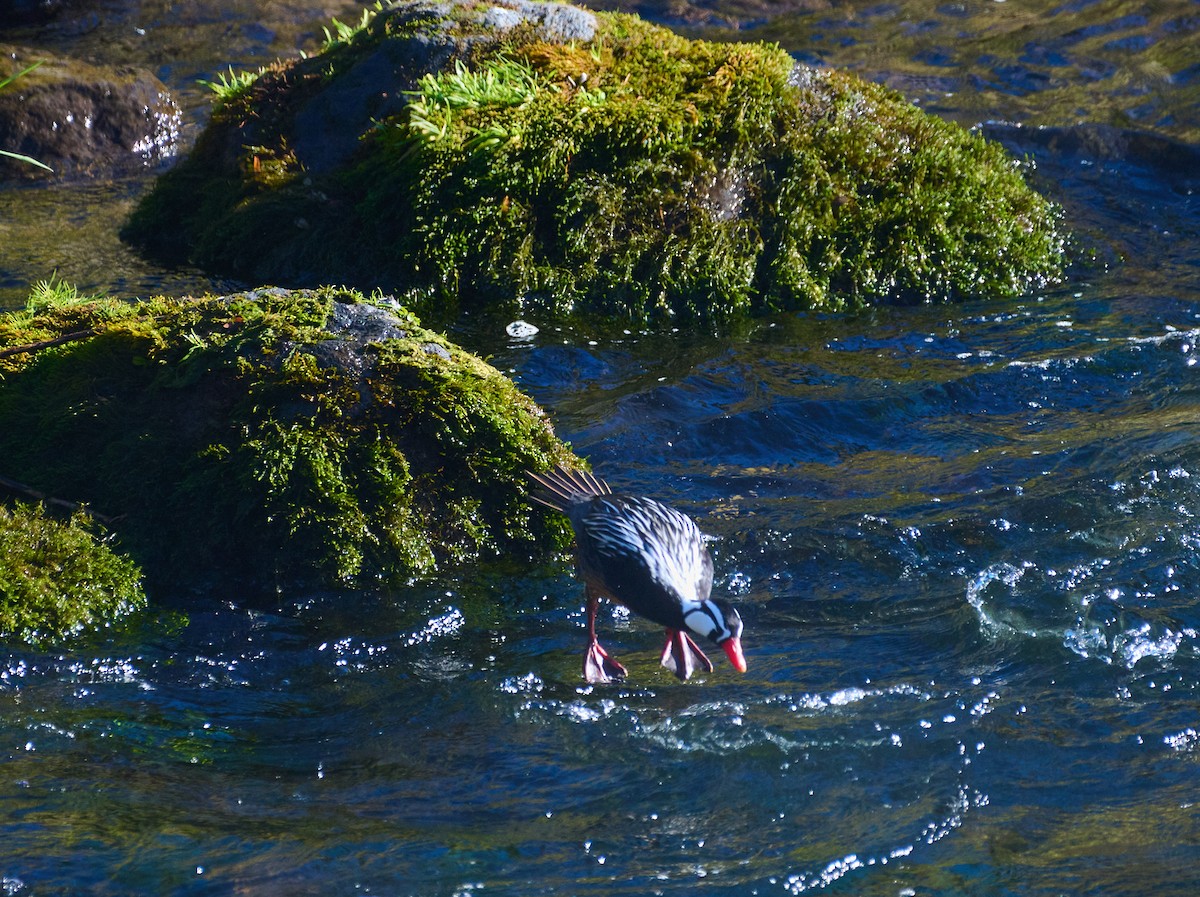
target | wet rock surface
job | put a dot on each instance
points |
(83, 120)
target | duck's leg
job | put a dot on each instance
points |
(598, 667)
(682, 657)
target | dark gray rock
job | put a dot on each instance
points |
(82, 120)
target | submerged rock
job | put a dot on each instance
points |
(534, 155)
(81, 120)
(274, 435)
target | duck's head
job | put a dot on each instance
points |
(717, 620)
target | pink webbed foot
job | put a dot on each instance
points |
(682, 657)
(598, 667)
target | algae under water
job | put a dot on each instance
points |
(964, 542)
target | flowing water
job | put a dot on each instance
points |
(965, 541)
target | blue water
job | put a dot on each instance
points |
(964, 543)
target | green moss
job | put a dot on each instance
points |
(640, 175)
(255, 436)
(57, 577)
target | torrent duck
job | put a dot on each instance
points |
(649, 558)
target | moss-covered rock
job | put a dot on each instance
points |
(626, 171)
(57, 577)
(274, 434)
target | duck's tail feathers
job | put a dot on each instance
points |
(560, 488)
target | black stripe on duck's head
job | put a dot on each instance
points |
(716, 619)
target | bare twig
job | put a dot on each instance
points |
(47, 343)
(29, 492)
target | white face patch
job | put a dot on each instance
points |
(704, 620)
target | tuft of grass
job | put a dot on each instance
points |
(439, 97)
(343, 33)
(55, 293)
(233, 86)
(54, 308)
